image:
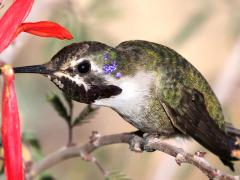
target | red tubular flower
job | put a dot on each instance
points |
(11, 128)
(11, 24)
(12, 19)
(45, 29)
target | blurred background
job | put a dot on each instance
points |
(206, 32)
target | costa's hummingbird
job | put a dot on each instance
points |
(149, 85)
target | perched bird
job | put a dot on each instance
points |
(149, 85)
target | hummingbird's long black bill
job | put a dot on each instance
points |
(39, 69)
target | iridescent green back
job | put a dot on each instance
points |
(172, 72)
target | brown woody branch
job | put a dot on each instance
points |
(136, 143)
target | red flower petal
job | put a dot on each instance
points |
(11, 128)
(10, 21)
(45, 29)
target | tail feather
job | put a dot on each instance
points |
(233, 136)
(226, 145)
(235, 133)
(231, 130)
(192, 118)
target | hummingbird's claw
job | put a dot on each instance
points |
(148, 137)
(140, 141)
(136, 144)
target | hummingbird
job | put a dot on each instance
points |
(149, 85)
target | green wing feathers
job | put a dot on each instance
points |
(173, 72)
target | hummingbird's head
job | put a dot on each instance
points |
(84, 71)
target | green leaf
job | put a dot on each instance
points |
(116, 175)
(69, 101)
(30, 139)
(47, 177)
(87, 113)
(1, 168)
(59, 107)
(2, 163)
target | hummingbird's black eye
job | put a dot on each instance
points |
(84, 67)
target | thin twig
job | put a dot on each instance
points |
(90, 158)
(70, 125)
(70, 135)
(151, 143)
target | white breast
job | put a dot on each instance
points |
(132, 100)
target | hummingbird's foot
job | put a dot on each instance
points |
(136, 144)
(140, 140)
(149, 137)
